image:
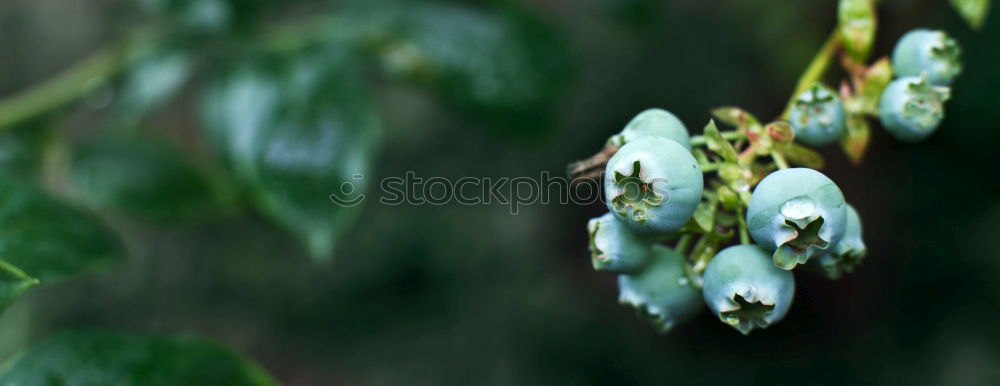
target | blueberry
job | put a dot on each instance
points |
(848, 252)
(615, 248)
(653, 185)
(661, 292)
(657, 123)
(923, 51)
(911, 109)
(817, 117)
(798, 213)
(745, 290)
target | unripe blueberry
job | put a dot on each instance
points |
(653, 185)
(910, 109)
(923, 51)
(657, 123)
(745, 290)
(817, 117)
(848, 252)
(798, 213)
(615, 248)
(661, 292)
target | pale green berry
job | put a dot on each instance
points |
(745, 290)
(797, 213)
(817, 116)
(848, 252)
(924, 52)
(656, 123)
(911, 109)
(653, 185)
(661, 292)
(615, 248)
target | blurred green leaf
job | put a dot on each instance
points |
(16, 325)
(155, 76)
(495, 63)
(140, 178)
(973, 11)
(13, 282)
(204, 15)
(875, 79)
(298, 133)
(47, 239)
(731, 171)
(704, 215)
(719, 145)
(802, 156)
(855, 139)
(725, 219)
(735, 117)
(22, 148)
(700, 156)
(857, 24)
(110, 359)
(729, 199)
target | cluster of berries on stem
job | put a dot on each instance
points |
(738, 217)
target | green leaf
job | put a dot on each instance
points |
(973, 11)
(855, 139)
(22, 148)
(495, 63)
(13, 282)
(718, 144)
(47, 239)
(112, 359)
(725, 219)
(704, 215)
(140, 178)
(735, 117)
(802, 156)
(200, 16)
(875, 79)
(299, 134)
(700, 156)
(729, 199)
(857, 24)
(157, 73)
(16, 326)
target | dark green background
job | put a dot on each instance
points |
(473, 295)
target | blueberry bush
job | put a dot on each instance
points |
(223, 130)
(781, 217)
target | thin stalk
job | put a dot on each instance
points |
(710, 167)
(779, 160)
(95, 70)
(742, 222)
(683, 243)
(815, 71)
(72, 84)
(699, 140)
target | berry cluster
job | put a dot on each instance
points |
(662, 186)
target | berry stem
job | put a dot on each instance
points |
(699, 140)
(779, 160)
(75, 82)
(683, 243)
(816, 69)
(742, 222)
(591, 167)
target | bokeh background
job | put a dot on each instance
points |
(458, 294)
